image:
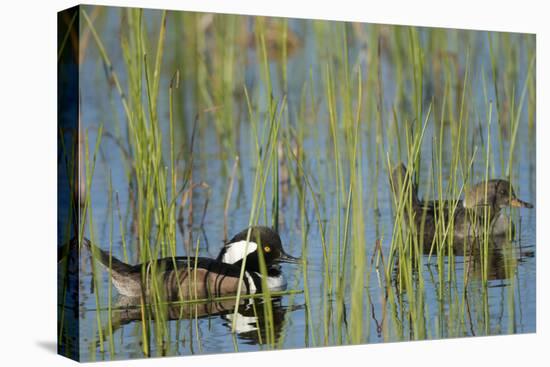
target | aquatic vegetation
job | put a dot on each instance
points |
(199, 125)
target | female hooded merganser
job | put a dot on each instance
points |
(189, 277)
(486, 198)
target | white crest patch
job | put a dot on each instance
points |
(236, 251)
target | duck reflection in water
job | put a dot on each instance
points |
(501, 258)
(251, 324)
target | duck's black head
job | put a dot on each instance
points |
(265, 238)
(500, 194)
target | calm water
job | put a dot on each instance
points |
(508, 306)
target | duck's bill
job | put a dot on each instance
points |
(286, 258)
(517, 203)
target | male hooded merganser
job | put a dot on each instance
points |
(189, 277)
(486, 198)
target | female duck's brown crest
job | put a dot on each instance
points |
(399, 181)
(496, 194)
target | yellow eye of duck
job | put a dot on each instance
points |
(267, 248)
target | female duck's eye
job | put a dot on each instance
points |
(267, 248)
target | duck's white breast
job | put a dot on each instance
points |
(277, 283)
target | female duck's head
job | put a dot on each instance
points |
(261, 239)
(496, 194)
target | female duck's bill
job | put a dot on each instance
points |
(200, 278)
